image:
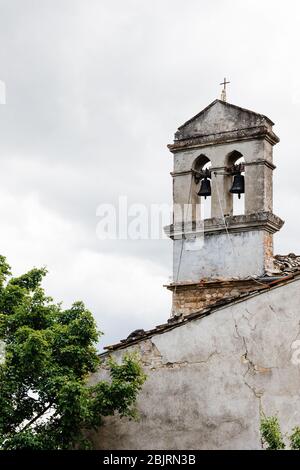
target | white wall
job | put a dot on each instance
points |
(209, 379)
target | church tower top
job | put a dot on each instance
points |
(219, 119)
(220, 154)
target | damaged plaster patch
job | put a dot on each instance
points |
(152, 358)
(172, 365)
(252, 368)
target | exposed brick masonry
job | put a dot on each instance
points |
(190, 298)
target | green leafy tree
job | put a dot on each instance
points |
(48, 353)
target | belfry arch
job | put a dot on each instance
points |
(236, 203)
(202, 205)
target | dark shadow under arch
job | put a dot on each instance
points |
(233, 157)
(201, 162)
(238, 205)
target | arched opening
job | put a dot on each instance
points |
(203, 205)
(235, 158)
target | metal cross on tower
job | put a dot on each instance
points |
(223, 93)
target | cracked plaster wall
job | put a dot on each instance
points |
(243, 254)
(209, 379)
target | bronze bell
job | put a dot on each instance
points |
(205, 188)
(238, 185)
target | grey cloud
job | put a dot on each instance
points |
(95, 91)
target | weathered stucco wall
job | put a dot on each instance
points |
(219, 257)
(209, 379)
(244, 249)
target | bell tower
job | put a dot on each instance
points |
(220, 154)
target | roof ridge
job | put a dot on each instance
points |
(182, 319)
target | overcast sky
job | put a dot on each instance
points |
(95, 90)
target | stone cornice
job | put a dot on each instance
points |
(234, 224)
(250, 133)
(261, 162)
(216, 283)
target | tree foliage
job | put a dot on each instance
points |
(272, 437)
(271, 434)
(295, 438)
(46, 401)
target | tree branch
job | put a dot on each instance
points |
(37, 417)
